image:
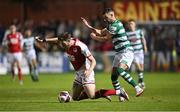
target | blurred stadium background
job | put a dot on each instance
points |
(159, 19)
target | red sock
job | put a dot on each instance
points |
(19, 74)
(100, 93)
(104, 93)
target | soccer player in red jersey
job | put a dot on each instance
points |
(13, 41)
(83, 63)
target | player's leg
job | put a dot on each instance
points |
(139, 63)
(18, 57)
(31, 57)
(89, 92)
(34, 62)
(12, 70)
(141, 76)
(35, 69)
(114, 79)
(88, 85)
(90, 89)
(30, 68)
(125, 63)
(11, 61)
(77, 90)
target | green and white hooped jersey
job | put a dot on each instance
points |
(135, 39)
(119, 38)
(28, 44)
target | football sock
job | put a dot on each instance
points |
(35, 74)
(30, 69)
(99, 94)
(19, 74)
(140, 76)
(104, 92)
(36, 70)
(115, 83)
(126, 76)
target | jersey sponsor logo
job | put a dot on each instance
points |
(13, 40)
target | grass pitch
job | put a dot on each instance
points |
(162, 94)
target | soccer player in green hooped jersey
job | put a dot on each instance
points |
(138, 42)
(124, 51)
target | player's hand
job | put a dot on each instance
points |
(85, 22)
(145, 50)
(87, 73)
(38, 39)
(93, 35)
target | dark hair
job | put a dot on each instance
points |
(107, 10)
(64, 36)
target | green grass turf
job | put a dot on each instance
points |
(162, 93)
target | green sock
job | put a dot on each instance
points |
(126, 77)
(115, 83)
(140, 76)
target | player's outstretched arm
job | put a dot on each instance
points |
(48, 40)
(94, 30)
(100, 38)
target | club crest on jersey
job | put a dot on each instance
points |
(74, 49)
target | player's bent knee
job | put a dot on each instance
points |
(92, 96)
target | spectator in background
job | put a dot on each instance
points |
(70, 27)
(177, 51)
(105, 48)
(61, 27)
(2, 31)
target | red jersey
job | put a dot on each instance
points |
(14, 42)
(78, 53)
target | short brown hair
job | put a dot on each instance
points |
(64, 36)
(107, 10)
(131, 20)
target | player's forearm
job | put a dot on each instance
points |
(100, 38)
(51, 40)
(93, 64)
(144, 44)
(96, 31)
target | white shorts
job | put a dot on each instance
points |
(124, 57)
(30, 55)
(82, 80)
(139, 57)
(12, 57)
